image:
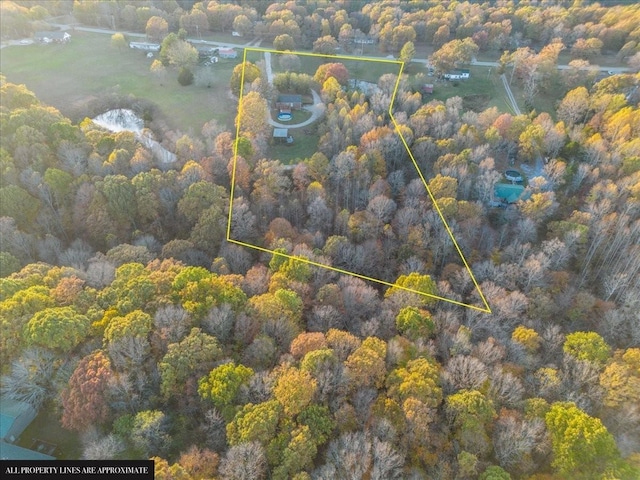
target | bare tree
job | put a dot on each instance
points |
(246, 461)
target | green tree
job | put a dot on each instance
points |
(222, 384)
(415, 323)
(406, 288)
(133, 324)
(60, 328)
(255, 423)
(191, 357)
(16, 203)
(587, 346)
(582, 446)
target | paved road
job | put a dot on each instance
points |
(512, 100)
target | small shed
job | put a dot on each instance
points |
(427, 88)
(14, 418)
(289, 102)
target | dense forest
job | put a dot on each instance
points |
(128, 317)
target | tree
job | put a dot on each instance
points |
(254, 423)
(582, 446)
(326, 45)
(84, 400)
(150, 432)
(118, 41)
(294, 390)
(242, 25)
(191, 357)
(156, 29)
(406, 285)
(246, 461)
(453, 53)
(335, 70)
(180, 54)
(407, 53)
(60, 328)
(366, 365)
(159, 71)
(245, 72)
(587, 346)
(415, 323)
(283, 42)
(420, 380)
(222, 384)
(574, 106)
(252, 115)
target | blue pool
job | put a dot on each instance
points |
(284, 117)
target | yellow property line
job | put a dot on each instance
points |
(487, 309)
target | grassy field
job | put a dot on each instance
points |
(481, 91)
(68, 76)
(304, 145)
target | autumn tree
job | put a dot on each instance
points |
(294, 390)
(453, 53)
(156, 29)
(587, 346)
(84, 401)
(326, 45)
(245, 72)
(118, 41)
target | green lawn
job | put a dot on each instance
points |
(47, 428)
(68, 76)
(304, 146)
(481, 91)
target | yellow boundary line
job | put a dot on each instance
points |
(487, 309)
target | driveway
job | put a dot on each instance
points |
(316, 109)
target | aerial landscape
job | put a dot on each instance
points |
(350, 239)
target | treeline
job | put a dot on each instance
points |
(586, 26)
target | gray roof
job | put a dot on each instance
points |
(289, 98)
(280, 132)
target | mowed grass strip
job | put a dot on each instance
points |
(65, 76)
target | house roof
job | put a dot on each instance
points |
(289, 98)
(10, 410)
(280, 132)
(14, 452)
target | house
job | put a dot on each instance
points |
(14, 452)
(52, 37)
(289, 102)
(427, 88)
(14, 418)
(147, 47)
(227, 53)
(457, 75)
